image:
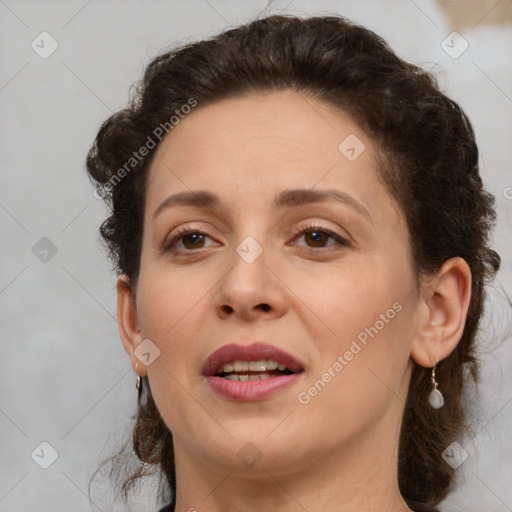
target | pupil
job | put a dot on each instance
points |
(194, 237)
(317, 236)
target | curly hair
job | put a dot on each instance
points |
(428, 163)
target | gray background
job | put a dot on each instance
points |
(64, 376)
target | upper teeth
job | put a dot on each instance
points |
(261, 365)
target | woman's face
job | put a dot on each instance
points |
(339, 298)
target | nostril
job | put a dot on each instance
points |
(265, 307)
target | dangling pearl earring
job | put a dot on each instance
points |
(435, 399)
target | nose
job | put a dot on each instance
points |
(249, 291)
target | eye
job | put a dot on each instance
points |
(317, 236)
(188, 238)
(191, 239)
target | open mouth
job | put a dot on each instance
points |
(252, 370)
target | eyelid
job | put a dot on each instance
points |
(181, 231)
(316, 226)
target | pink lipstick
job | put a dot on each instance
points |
(250, 372)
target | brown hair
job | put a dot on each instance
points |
(429, 164)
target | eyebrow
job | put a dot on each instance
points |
(286, 198)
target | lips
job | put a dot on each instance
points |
(250, 373)
(260, 356)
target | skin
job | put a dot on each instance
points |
(339, 451)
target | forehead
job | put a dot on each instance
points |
(258, 145)
(289, 123)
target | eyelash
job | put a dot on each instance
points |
(316, 227)
(169, 246)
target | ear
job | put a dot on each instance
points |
(127, 322)
(444, 305)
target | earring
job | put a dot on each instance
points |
(435, 399)
(138, 385)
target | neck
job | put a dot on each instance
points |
(360, 475)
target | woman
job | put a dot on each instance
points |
(301, 237)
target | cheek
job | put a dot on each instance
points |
(348, 300)
(166, 298)
(363, 334)
(171, 307)
(357, 384)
